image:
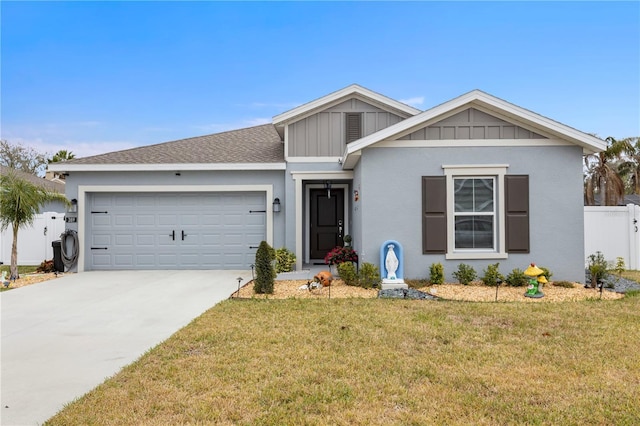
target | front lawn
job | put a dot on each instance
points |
(374, 361)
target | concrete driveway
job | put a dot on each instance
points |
(62, 338)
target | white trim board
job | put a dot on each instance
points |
(495, 170)
(332, 99)
(448, 143)
(299, 178)
(83, 190)
(307, 217)
(174, 167)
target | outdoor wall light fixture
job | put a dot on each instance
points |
(276, 205)
(73, 208)
(327, 186)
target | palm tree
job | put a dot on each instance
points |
(21, 201)
(602, 175)
(62, 155)
(629, 168)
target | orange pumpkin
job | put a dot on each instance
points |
(324, 278)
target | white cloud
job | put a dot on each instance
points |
(79, 149)
(414, 102)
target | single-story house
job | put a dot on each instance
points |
(474, 180)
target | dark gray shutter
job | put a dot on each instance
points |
(434, 214)
(517, 213)
(353, 126)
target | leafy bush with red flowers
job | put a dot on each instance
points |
(340, 255)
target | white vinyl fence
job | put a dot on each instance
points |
(614, 232)
(34, 243)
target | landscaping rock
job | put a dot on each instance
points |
(615, 283)
(405, 293)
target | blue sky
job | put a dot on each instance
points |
(95, 77)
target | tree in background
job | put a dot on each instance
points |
(601, 174)
(21, 202)
(629, 167)
(62, 155)
(20, 157)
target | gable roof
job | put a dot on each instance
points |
(258, 147)
(352, 91)
(478, 98)
(41, 182)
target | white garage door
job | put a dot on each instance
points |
(174, 231)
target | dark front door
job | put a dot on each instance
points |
(327, 221)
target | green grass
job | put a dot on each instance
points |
(631, 275)
(376, 361)
(22, 269)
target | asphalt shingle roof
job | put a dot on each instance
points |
(42, 182)
(259, 144)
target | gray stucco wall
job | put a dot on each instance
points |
(391, 205)
(323, 134)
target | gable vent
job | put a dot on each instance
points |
(353, 126)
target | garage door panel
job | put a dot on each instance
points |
(167, 260)
(101, 259)
(124, 240)
(100, 240)
(146, 220)
(190, 220)
(124, 220)
(211, 219)
(124, 200)
(123, 260)
(146, 240)
(102, 220)
(136, 230)
(145, 260)
(167, 219)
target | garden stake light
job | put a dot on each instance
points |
(498, 282)
(239, 279)
(601, 284)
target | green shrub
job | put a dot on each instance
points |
(348, 274)
(465, 274)
(546, 272)
(285, 260)
(436, 273)
(265, 274)
(517, 278)
(619, 267)
(369, 276)
(564, 284)
(492, 275)
(597, 267)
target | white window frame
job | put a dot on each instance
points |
(497, 171)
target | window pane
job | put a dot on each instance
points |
(474, 232)
(483, 195)
(463, 195)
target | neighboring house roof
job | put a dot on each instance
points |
(476, 98)
(352, 91)
(42, 182)
(628, 199)
(258, 147)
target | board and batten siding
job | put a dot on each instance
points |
(472, 124)
(323, 134)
